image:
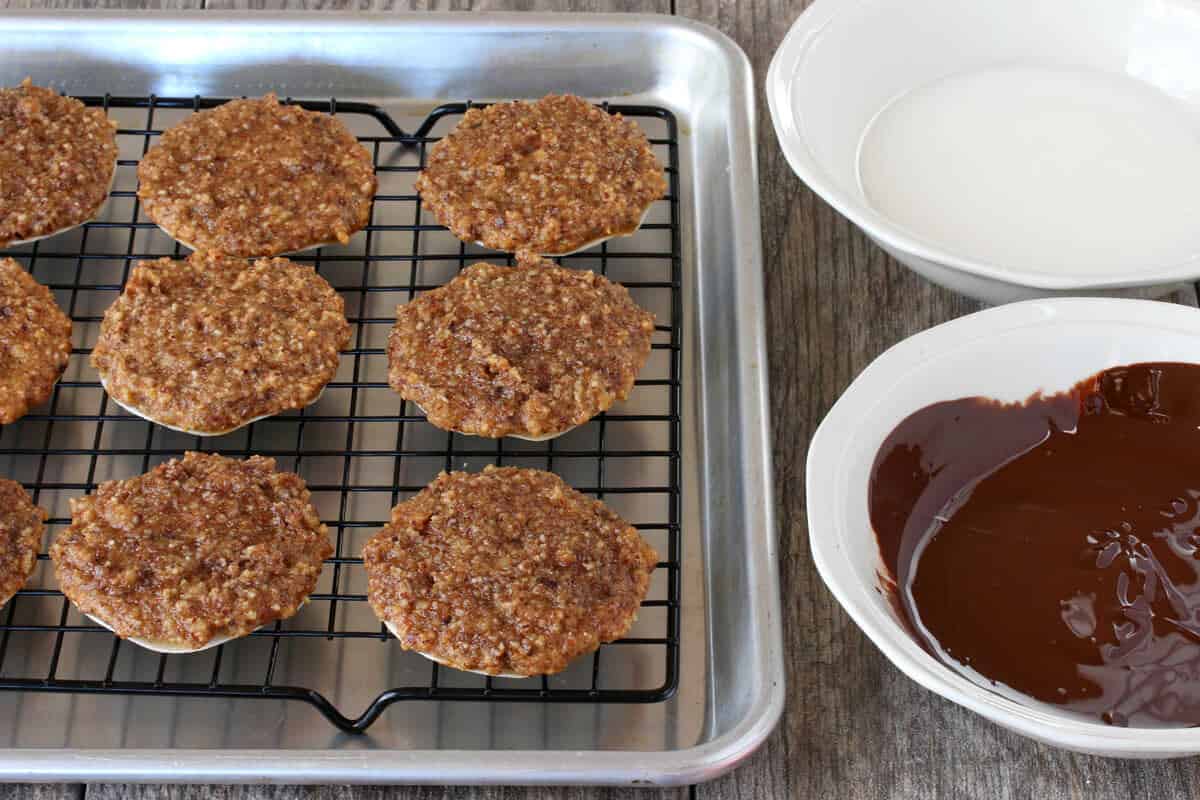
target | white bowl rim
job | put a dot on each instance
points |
(825, 470)
(787, 62)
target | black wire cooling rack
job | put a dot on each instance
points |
(360, 449)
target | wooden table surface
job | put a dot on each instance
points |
(854, 727)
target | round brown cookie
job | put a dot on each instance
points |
(57, 161)
(213, 343)
(35, 341)
(258, 178)
(528, 351)
(551, 177)
(506, 572)
(22, 525)
(193, 553)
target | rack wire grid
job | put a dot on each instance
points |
(360, 448)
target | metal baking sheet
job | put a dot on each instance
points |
(731, 677)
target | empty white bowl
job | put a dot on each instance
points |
(1007, 353)
(1006, 150)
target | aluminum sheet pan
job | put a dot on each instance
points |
(731, 682)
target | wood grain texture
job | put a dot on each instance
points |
(49, 791)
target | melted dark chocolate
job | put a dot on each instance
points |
(1053, 547)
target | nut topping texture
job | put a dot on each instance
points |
(22, 526)
(549, 177)
(506, 571)
(532, 350)
(212, 343)
(258, 178)
(35, 342)
(195, 549)
(57, 159)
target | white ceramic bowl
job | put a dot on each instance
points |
(1007, 353)
(845, 60)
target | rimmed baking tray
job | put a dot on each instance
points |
(687, 457)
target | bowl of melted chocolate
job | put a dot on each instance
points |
(1009, 506)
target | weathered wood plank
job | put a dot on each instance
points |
(131, 792)
(854, 726)
(50, 791)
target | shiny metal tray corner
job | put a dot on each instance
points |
(731, 688)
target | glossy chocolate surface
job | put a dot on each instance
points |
(1051, 547)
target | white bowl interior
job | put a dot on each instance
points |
(1006, 353)
(845, 60)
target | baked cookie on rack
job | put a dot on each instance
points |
(35, 342)
(258, 178)
(506, 572)
(57, 161)
(213, 343)
(551, 177)
(194, 553)
(528, 351)
(22, 526)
